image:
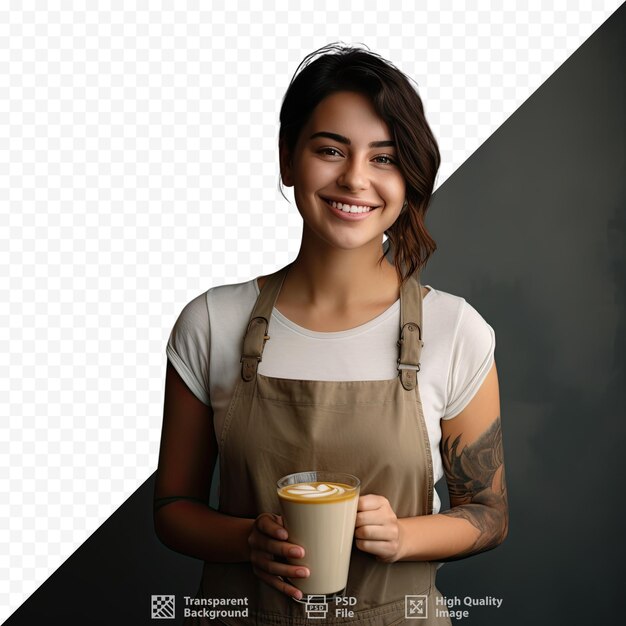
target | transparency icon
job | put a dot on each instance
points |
(416, 607)
(163, 607)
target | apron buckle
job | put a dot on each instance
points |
(408, 374)
(408, 366)
(249, 364)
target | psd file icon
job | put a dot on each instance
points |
(316, 607)
(416, 607)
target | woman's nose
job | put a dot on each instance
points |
(354, 175)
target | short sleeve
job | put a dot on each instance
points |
(472, 356)
(188, 347)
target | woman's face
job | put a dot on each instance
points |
(345, 153)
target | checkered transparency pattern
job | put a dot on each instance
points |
(138, 168)
(163, 607)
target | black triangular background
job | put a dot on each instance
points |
(546, 191)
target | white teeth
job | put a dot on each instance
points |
(349, 208)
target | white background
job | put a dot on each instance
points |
(138, 168)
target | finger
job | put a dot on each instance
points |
(367, 545)
(272, 525)
(275, 547)
(264, 562)
(278, 583)
(371, 518)
(380, 549)
(377, 533)
(371, 502)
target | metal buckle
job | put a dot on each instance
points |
(408, 366)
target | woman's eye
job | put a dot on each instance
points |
(327, 150)
(390, 161)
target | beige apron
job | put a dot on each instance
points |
(372, 429)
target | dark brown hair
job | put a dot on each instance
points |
(348, 68)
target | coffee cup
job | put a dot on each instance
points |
(319, 512)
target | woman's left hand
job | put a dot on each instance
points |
(377, 529)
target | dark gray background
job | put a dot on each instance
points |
(538, 248)
(531, 232)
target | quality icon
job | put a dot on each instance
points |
(416, 607)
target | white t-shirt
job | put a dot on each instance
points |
(206, 340)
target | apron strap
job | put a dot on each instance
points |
(256, 333)
(411, 334)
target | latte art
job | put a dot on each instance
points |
(322, 490)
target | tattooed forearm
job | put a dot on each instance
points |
(477, 487)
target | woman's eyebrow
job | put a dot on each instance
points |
(386, 143)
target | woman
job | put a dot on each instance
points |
(343, 361)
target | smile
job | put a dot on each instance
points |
(348, 208)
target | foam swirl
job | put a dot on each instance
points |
(322, 490)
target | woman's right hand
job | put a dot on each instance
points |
(268, 541)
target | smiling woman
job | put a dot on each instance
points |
(325, 164)
(399, 131)
(340, 361)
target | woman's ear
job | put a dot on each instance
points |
(285, 164)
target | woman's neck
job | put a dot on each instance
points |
(330, 278)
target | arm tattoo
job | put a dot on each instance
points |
(477, 488)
